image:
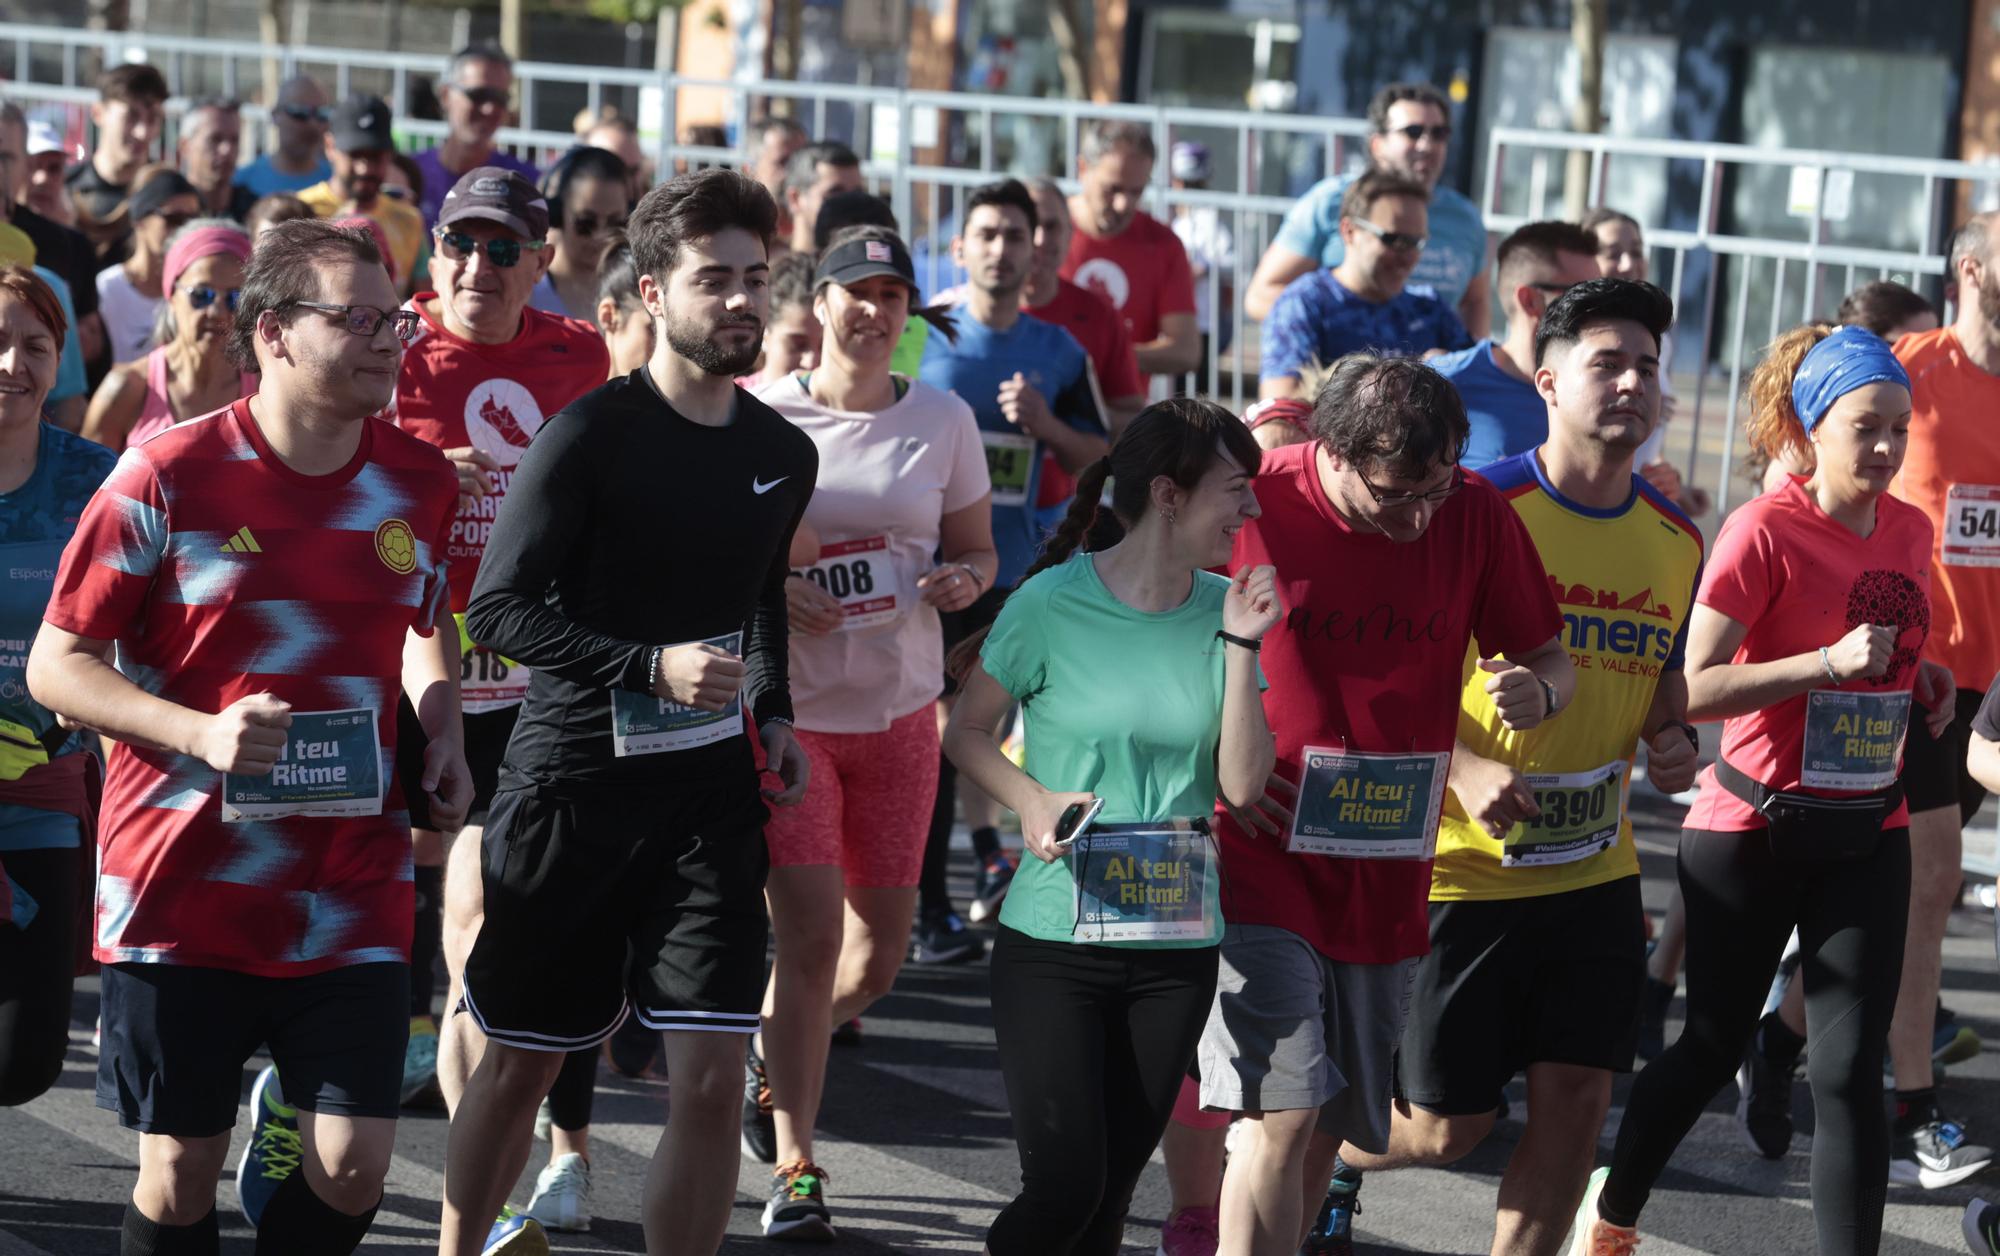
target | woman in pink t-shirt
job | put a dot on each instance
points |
(1805, 640)
(902, 480)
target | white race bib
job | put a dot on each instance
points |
(861, 576)
(1141, 883)
(1582, 815)
(1362, 805)
(331, 765)
(1972, 526)
(644, 724)
(1853, 740)
(1010, 464)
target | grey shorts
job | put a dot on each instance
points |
(1292, 1029)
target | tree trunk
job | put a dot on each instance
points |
(1587, 20)
(787, 39)
(1072, 58)
(274, 30)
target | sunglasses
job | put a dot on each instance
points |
(202, 295)
(458, 247)
(1401, 241)
(397, 192)
(363, 320)
(482, 96)
(1417, 131)
(305, 113)
(1395, 498)
(175, 221)
(586, 225)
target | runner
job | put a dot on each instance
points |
(1805, 641)
(1032, 389)
(126, 121)
(1084, 315)
(475, 96)
(253, 882)
(294, 158)
(129, 295)
(812, 173)
(1535, 265)
(361, 146)
(1412, 138)
(906, 531)
(1952, 474)
(1127, 256)
(211, 137)
(1363, 305)
(792, 336)
(1393, 561)
(1105, 965)
(191, 373)
(1536, 927)
(588, 206)
(1981, 1223)
(50, 785)
(630, 802)
(1889, 310)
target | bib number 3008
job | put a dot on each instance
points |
(860, 576)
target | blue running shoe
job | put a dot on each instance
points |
(1332, 1232)
(515, 1234)
(273, 1153)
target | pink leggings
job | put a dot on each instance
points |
(867, 807)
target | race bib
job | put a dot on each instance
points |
(487, 681)
(331, 765)
(1010, 463)
(1853, 740)
(1362, 805)
(1971, 526)
(1141, 883)
(1582, 814)
(860, 577)
(644, 724)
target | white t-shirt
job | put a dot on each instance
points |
(128, 314)
(886, 481)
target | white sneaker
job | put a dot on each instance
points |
(562, 1195)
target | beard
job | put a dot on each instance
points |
(695, 342)
(1989, 297)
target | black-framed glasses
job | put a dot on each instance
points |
(482, 96)
(1394, 498)
(362, 320)
(1417, 131)
(306, 113)
(587, 225)
(1401, 241)
(459, 247)
(200, 296)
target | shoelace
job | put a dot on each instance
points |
(801, 1177)
(763, 1088)
(573, 1177)
(279, 1148)
(1606, 1241)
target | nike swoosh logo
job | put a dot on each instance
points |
(760, 488)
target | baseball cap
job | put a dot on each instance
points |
(1190, 162)
(500, 195)
(852, 261)
(361, 124)
(151, 197)
(42, 138)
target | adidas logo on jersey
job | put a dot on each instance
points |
(242, 543)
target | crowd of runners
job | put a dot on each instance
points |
(350, 635)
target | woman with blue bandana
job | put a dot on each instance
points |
(1805, 641)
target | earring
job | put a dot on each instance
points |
(1169, 516)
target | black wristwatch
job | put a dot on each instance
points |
(1548, 696)
(1693, 733)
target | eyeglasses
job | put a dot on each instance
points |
(586, 225)
(1401, 241)
(305, 113)
(363, 320)
(202, 295)
(1417, 131)
(397, 192)
(175, 221)
(482, 96)
(459, 247)
(1394, 499)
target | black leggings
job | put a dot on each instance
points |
(37, 974)
(1741, 906)
(575, 1091)
(1094, 1042)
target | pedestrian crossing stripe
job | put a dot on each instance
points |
(242, 543)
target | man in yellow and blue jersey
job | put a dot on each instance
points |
(1536, 927)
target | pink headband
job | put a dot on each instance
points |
(190, 247)
(381, 241)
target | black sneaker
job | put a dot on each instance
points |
(1332, 1232)
(847, 1033)
(797, 1211)
(944, 939)
(1653, 1004)
(1934, 1155)
(1981, 1227)
(760, 1132)
(989, 888)
(1764, 1101)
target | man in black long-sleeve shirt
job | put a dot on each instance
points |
(638, 566)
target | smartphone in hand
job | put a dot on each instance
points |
(1075, 819)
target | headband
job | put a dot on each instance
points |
(1846, 360)
(192, 245)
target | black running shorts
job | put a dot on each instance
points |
(486, 735)
(600, 897)
(1934, 772)
(1513, 982)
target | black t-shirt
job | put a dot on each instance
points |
(64, 251)
(1987, 722)
(627, 526)
(99, 195)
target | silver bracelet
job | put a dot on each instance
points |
(653, 669)
(1826, 661)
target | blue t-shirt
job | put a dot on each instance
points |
(1455, 255)
(264, 179)
(974, 368)
(1508, 416)
(1317, 316)
(438, 180)
(36, 522)
(70, 380)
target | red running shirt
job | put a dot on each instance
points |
(1800, 581)
(1101, 332)
(1142, 271)
(221, 572)
(1370, 656)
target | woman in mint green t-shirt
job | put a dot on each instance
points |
(1137, 674)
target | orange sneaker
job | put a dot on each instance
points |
(1592, 1235)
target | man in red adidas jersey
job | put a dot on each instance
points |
(1126, 255)
(483, 372)
(270, 575)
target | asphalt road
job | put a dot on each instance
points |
(916, 1143)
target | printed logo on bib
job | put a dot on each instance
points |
(487, 681)
(1141, 884)
(501, 417)
(1363, 805)
(1582, 814)
(1972, 526)
(1010, 464)
(644, 724)
(1853, 740)
(860, 577)
(1107, 279)
(330, 765)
